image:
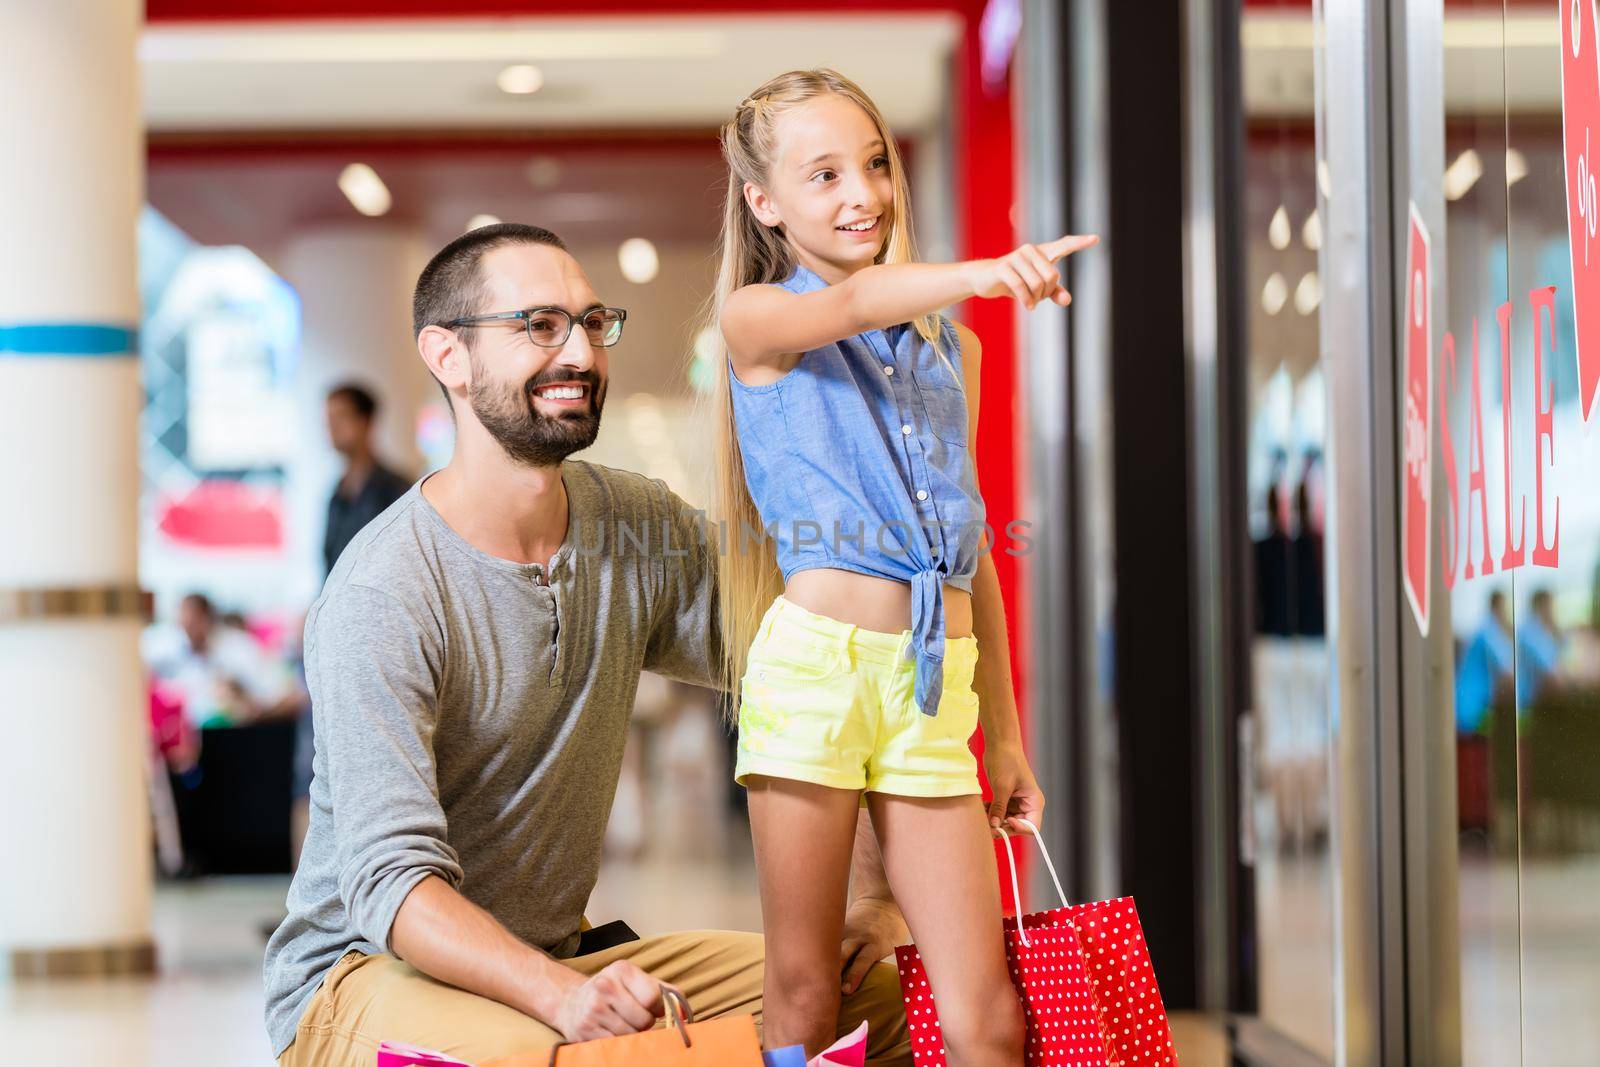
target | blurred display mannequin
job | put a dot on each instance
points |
(1274, 660)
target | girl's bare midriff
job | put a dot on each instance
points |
(880, 604)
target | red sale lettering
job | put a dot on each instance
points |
(1512, 558)
(1475, 466)
(1448, 527)
(1543, 303)
(1474, 518)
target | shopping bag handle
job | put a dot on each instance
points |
(1016, 888)
(678, 1012)
(679, 1016)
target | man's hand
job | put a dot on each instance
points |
(1016, 792)
(872, 929)
(620, 1000)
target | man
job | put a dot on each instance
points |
(472, 661)
(367, 487)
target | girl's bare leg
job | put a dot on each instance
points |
(803, 834)
(939, 856)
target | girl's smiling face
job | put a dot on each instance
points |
(829, 188)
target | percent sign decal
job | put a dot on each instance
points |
(1580, 117)
(1415, 443)
(1586, 192)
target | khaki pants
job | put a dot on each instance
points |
(365, 1000)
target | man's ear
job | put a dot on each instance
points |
(761, 205)
(446, 356)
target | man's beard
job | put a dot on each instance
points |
(528, 436)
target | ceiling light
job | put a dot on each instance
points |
(520, 79)
(1311, 232)
(1516, 167)
(638, 260)
(1278, 229)
(544, 172)
(477, 222)
(1308, 294)
(1274, 294)
(1463, 174)
(365, 190)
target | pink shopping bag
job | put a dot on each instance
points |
(1088, 989)
(395, 1054)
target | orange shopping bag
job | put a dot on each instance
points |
(726, 1042)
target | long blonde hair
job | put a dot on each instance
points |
(753, 254)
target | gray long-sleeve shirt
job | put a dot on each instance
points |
(470, 718)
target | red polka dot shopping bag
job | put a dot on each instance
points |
(1084, 976)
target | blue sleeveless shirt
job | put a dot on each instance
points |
(857, 460)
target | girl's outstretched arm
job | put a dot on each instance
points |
(769, 327)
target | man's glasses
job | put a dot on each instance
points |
(550, 327)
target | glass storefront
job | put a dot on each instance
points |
(1400, 750)
(1448, 725)
(1501, 669)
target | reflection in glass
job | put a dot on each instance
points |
(1288, 803)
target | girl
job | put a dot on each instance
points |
(847, 405)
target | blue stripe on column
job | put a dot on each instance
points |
(68, 339)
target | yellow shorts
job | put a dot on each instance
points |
(827, 702)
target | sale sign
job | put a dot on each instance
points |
(1416, 453)
(1580, 123)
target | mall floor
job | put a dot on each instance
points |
(204, 1008)
(668, 867)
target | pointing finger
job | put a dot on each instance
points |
(1062, 247)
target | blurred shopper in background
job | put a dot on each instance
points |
(1539, 647)
(1485, 681)
(218, 673)
(209, 677)
(1484, 671)
(367, 487)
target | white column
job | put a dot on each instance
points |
(354, 281)
(75, 822)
